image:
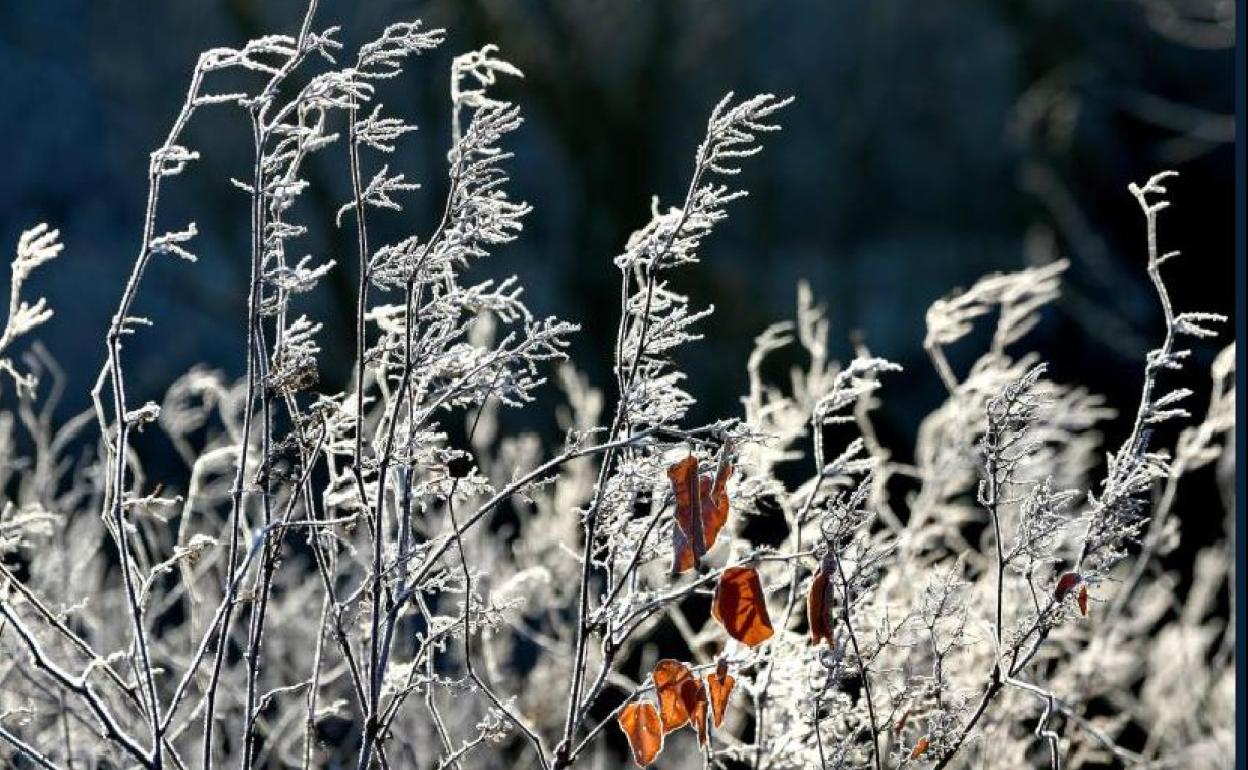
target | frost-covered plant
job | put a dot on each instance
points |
(321, 587)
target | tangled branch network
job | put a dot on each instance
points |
(323, 586)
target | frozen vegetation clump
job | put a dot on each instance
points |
(323, 587)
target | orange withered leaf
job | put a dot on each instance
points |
(715, 505)
(817, 608)
(920, 748)
(1083, 601)
(694, 699)
(701, 510)
(641, 725)
(1066, 582)
(689, 534)
(719, 684)
(740, 606)
(669, 675)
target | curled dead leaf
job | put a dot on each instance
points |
(693, 697)
(920, 748)
(740, 606)
(1064, 585)
(644, 730)
(701, 510)
(669, 676)
(719, 684)
(818, 604)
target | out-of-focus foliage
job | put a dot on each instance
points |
(387, 574)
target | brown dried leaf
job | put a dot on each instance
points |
(740, 606)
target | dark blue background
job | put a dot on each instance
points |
(928, 140)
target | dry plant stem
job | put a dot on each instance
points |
(409, 594)
(1155, 259)
(325, 561)
(518, 723)
(1155, 529)
(308, 462)
(404, 390)
(271, 547)
(862, 666)
(405, 512)
(457, 530)
(430, 704)
(369, 741)
(562, 751)
(937, 354)
(238, 493)
(309, 723)
(80, 687)
(325, 565)
(1133, 444)
(231, 591)
(375, 525)
(205, 643)
(1125, 755)
(993, 491)
(819, 696)
(65, 734)
(452, 759)
(52, 619)
(996, 676)
(622, 579)
(445, 541)
(115, 373)
(760, 697)
(1137, 439)
(116, 376)
(265, 574)
(698, 168)
(990, 692)
(1162, 510)
(264, 579)
(28, 751)
(378, 652)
